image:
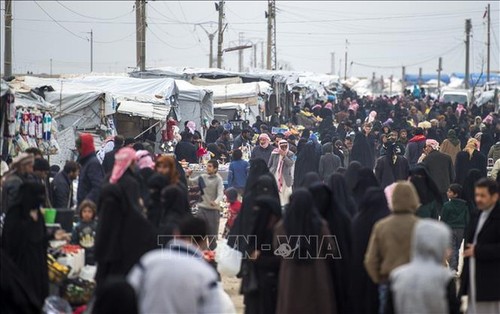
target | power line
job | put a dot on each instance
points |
(93, 17)
(62, 26)
(409, 65)
(167, 44)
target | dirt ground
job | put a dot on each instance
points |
(232, 284)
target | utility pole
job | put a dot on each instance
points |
(340, 66)
(211, 37)
(333, 63)
(240, 53)
(220, 38)
(271, 35)
(403, 82)
(419, 76)
(440, 68)
(255, 56)
(143, 35)
(262, 54)
(468, 27)
(390, 85)
(345, 61)
(138, 33)
(91, 51)
(488, 47)
(8, 39)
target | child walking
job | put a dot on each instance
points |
(84, 232)
(455, 215)
(234, 209)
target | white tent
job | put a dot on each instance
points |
(195, 103)
(247, 93)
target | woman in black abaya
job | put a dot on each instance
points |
(307, 161)
(341, 194)
(373, 207)
(351, 175)
(366, 179)
(24, 238)
(309, 179)
(430, 199)
(245, 221)
(260, 276)
(339, 225)
(174, 208)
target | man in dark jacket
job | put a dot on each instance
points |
(91, 173)
(277, 118)
(440, 167)
(109, 158)
(481, 272)
(62, 185)
(242, 140)
(213, 132)
(185, 150)
(415, 147)
(328, 163)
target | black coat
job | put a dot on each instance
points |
(464, 163)
(440, 169)
(487, 253)
(109, 161)
(62, 191)
(90, 180)
(388, 172)
(185, 150)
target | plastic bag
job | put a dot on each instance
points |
(228, 259)
(56, 305)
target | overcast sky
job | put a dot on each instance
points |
(382, 36)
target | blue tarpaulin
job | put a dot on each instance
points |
(478, 77)
(413, 78)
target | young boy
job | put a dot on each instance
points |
(212, 193)
(84, 232)
(455, 215)
(234, 208)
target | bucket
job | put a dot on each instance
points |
(50, 215)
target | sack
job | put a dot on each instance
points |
(228, 259)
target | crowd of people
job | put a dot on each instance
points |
(373, 196)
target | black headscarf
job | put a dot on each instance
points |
(123, 234)
(366, 179)
(341, 194)
(302, 218)
(362, 152)
(175, 206)
(266, 207)
(258, 167)
(309, 179)
(156, 183)
(373, 207)
(245, 221)
(426, 187)
(351, 174)
(25, 240)
(305, 162)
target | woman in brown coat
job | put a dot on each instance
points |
(303, 241)
(451, 145)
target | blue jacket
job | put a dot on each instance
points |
(238, 174)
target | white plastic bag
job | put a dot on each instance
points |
(228, 259)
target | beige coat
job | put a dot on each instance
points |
(449, 149)
(390, 241)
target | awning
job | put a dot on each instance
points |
(144, 110)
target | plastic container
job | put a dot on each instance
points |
(50, 215)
